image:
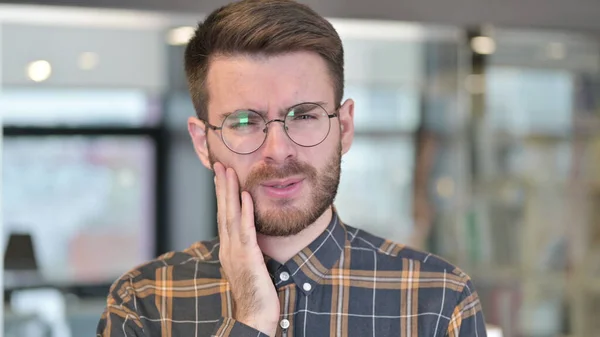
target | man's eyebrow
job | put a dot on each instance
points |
(224, 115)
(282, 112)
(319, 103)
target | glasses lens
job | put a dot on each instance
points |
(307, 124)
(243, 131)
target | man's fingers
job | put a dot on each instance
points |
(221, 191)
(247, 228)
(233, 204)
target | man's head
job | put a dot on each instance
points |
(253, 62)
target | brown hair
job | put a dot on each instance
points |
(261, 27)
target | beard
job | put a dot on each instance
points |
(286, 219)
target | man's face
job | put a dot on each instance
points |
(291, 185)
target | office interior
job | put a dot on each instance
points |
(477, 142)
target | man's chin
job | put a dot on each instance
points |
(282, 220)
(266, 204)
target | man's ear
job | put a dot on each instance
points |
(346, 117)
(197, 130)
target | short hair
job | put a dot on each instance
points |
(261, 28)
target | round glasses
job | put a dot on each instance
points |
(245, 131)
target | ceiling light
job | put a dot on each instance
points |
(180, 36)
(39, 71)
(483, 45)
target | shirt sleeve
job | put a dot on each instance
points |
(229, 327)
(467, 319)
(121, 319)
(118, 318)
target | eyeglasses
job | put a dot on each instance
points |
(245, 131)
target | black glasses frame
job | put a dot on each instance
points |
(266, 129)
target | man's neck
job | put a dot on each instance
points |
(283, 248)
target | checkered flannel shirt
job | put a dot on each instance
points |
(347, 283)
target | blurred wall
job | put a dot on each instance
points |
(131, 58)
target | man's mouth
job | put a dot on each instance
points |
(282, 183)
(281, 186)
(284, 188)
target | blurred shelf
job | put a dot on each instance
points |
(382, 133)
(492, 184)
(540, 138)
(511, 276)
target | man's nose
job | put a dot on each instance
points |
(278, 147)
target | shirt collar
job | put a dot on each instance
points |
(312, 263)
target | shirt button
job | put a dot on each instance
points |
(284, 323)
(284, 276)
(306, 286)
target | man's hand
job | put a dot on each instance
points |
(256, 301)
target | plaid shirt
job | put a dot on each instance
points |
(345, 283)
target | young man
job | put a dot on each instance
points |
(266, 79)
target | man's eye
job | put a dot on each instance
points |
(304, 117)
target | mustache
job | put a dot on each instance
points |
(269, 172)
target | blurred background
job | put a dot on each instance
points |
(477, 138)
